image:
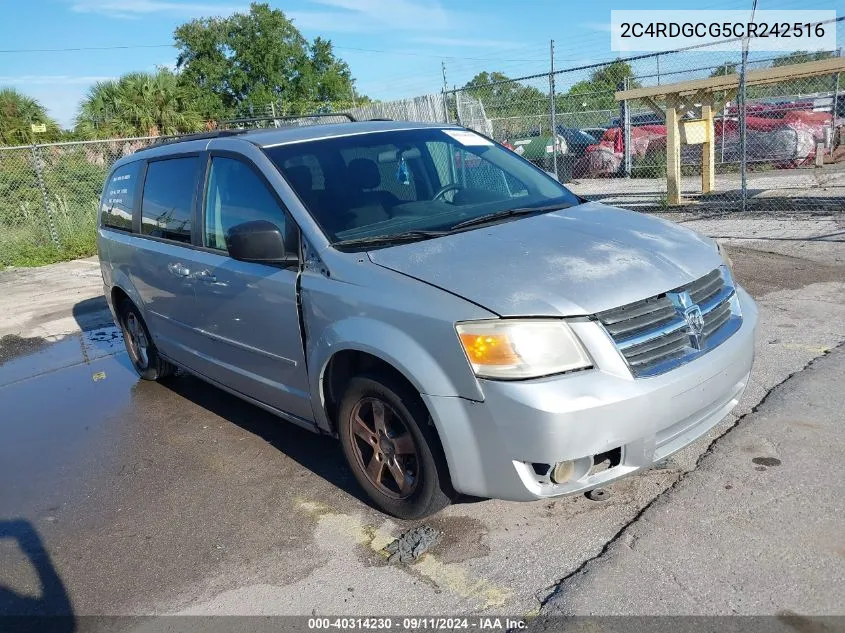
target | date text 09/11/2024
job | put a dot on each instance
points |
(418, 623)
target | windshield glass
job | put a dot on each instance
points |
(383, 184)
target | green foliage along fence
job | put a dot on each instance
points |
(49, 196)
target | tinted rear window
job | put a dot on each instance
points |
(119, 197)
(167, 207)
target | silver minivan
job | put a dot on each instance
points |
(458, 319)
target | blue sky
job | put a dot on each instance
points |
(394, 47)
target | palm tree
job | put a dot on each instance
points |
(18, 113)
(138, 104)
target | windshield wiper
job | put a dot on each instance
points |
(507, 213)
(407, 236)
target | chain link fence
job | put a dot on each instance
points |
(49, 196)
(782, 150)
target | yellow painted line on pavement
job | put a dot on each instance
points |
(805, 348)
(449, 576)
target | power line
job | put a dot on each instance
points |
(348, 48)
(84, 48)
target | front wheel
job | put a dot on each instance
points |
(392, 448)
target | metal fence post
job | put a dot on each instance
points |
(743, 145)
(445, 93)
(724, 118)
(552, 105)
(39, 176)
(457, 104)
(625, 130)
(834, 106)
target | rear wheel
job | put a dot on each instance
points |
(142, 351)
(392, 448)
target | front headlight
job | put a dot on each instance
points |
(521, 348)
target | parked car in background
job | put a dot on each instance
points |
(459, 320)
(537, 147)
(641, 118)
(577, 141)
(596, 132)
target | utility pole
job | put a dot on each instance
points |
(657, 59)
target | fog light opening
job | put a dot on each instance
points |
(605, 461)
(563, 472)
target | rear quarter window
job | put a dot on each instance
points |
(167, 208)
(118, 199)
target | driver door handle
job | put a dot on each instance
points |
(205, 275)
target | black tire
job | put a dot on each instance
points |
(139, 344)
(426, 475)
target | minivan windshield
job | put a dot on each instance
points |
(374, 189)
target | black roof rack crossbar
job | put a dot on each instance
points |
(292, 117)
(199, 136)
(222, 133)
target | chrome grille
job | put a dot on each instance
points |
(659, 333)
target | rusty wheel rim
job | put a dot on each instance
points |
(137, 340)
(384, 448)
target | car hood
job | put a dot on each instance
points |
(575, 261)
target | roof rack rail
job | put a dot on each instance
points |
(199, 136)
(292, 117)
(380, 119)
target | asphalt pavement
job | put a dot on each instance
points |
(125, 497)
(755, 529)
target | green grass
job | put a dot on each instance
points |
(30, 244)
(72, 178)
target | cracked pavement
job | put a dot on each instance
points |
(755, 529)
(181, 499)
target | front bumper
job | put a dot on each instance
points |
(490, 446)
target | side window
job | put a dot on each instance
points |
(167, 205)
(119, 197)
(236, 194)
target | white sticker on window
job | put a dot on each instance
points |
(465, 137)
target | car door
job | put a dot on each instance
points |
(246, 311)
(158, 265)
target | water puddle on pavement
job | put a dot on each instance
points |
(59, 403)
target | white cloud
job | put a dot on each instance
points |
(139, 8)
(362, 16)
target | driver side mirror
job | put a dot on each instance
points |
(260, 242)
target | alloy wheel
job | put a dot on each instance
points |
(384, 448)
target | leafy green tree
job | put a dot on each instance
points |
(138, 104)
(597, 92)
(821, 83)
(503, 97)
(795, 87)
(18, 113)
(728, 68)
(247, 61)
(800, 57)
